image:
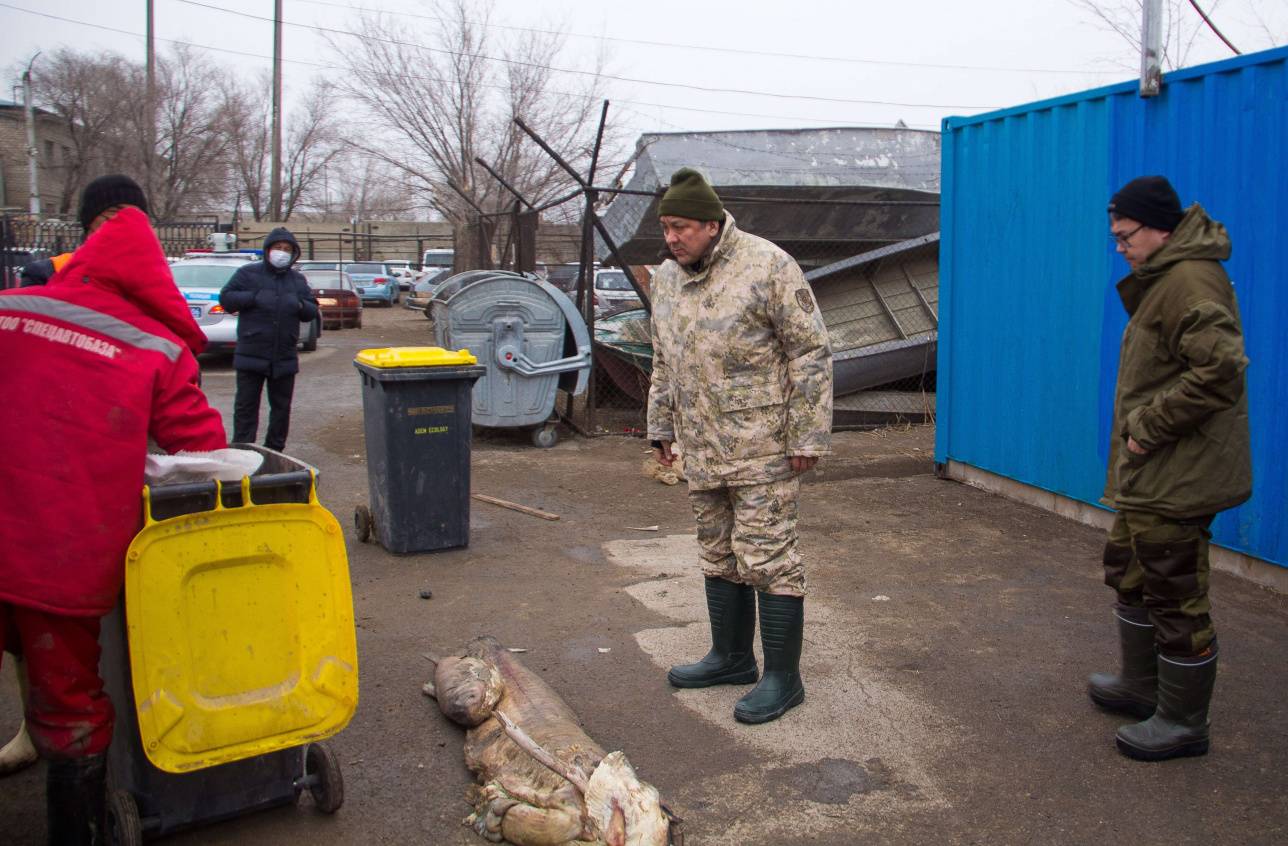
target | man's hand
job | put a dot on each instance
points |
(663, 454)
(1132, 446)
(802, 463)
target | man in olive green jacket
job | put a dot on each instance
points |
(1179, 453)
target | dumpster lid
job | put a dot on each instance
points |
(415, 357)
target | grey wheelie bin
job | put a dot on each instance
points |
(416, 416)
(528, 335)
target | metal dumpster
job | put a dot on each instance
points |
(528, 335)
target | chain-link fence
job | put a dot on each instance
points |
(24, 240)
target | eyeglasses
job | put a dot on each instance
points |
(1124, 238)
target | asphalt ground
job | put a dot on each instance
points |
(949, 636)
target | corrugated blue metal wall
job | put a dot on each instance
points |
(1030, 322)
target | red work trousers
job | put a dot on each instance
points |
(68, 713)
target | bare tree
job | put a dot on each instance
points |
(438, 106)
(189, 168)
(363, 187)
(84, 91)
(313, 141)
(248, 138)
(99, 99)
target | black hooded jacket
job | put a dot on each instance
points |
(270, 305)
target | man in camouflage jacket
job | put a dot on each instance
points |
(1179, 453)
(742, 381)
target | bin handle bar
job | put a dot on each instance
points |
(513, 359)
(147, 506)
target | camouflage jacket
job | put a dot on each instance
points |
(742, 370)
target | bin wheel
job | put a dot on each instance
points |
(362, 522)
(545, 437)
(328, 790)
(124, 827)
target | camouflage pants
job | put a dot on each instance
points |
(1162, 564)
(748, 535)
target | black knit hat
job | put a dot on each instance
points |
(691, 196)
(115, 189)
(1150, 200)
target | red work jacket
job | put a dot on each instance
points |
(91, 365)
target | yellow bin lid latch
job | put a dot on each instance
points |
(415, 357)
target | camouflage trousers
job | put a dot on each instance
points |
(1161, 563)
(747, 535)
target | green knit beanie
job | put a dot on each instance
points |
(690, 196)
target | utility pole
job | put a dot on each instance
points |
(1151, 48)
(33, 165)
(275, 162)
(150, 132)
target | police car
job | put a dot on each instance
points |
(201, 275)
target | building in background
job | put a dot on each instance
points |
(53, 152)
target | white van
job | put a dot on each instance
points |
(437, 259)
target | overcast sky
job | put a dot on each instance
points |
(832, 62)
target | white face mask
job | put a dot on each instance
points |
(279, 258)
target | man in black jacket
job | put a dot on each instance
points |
(270, 300)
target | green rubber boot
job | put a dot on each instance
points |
(732, 608)
(782, 623)
(1134, 690)
(1179, 726)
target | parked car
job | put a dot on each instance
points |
(200, 277)
(613, 291)
(372, 282)
(437, 259)
(305, 265)
(402, 271)
(563, 276)
(338, 300)
(418, 296)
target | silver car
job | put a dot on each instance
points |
(613, 292)
(200, 277)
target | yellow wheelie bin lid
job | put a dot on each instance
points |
(384, 357)
(241, 633)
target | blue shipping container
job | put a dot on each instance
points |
(1030, 321)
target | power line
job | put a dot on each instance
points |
(635, 80)
(1212, 26)
(405, 76)
(733, 50)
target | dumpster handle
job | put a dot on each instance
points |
(514, 359)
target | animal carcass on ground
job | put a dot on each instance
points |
(541, 780)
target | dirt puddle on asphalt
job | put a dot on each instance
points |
(856, 750)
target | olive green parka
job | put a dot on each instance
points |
(1181, 390)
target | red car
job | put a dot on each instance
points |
(337, 299)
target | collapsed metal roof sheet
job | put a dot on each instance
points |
(818, 193)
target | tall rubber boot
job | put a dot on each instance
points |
(732, 608)
(782, 623)
(19, 753)
(1179, 726)
(1135, 689)
(76, 801)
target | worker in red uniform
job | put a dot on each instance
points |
(96, 361)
